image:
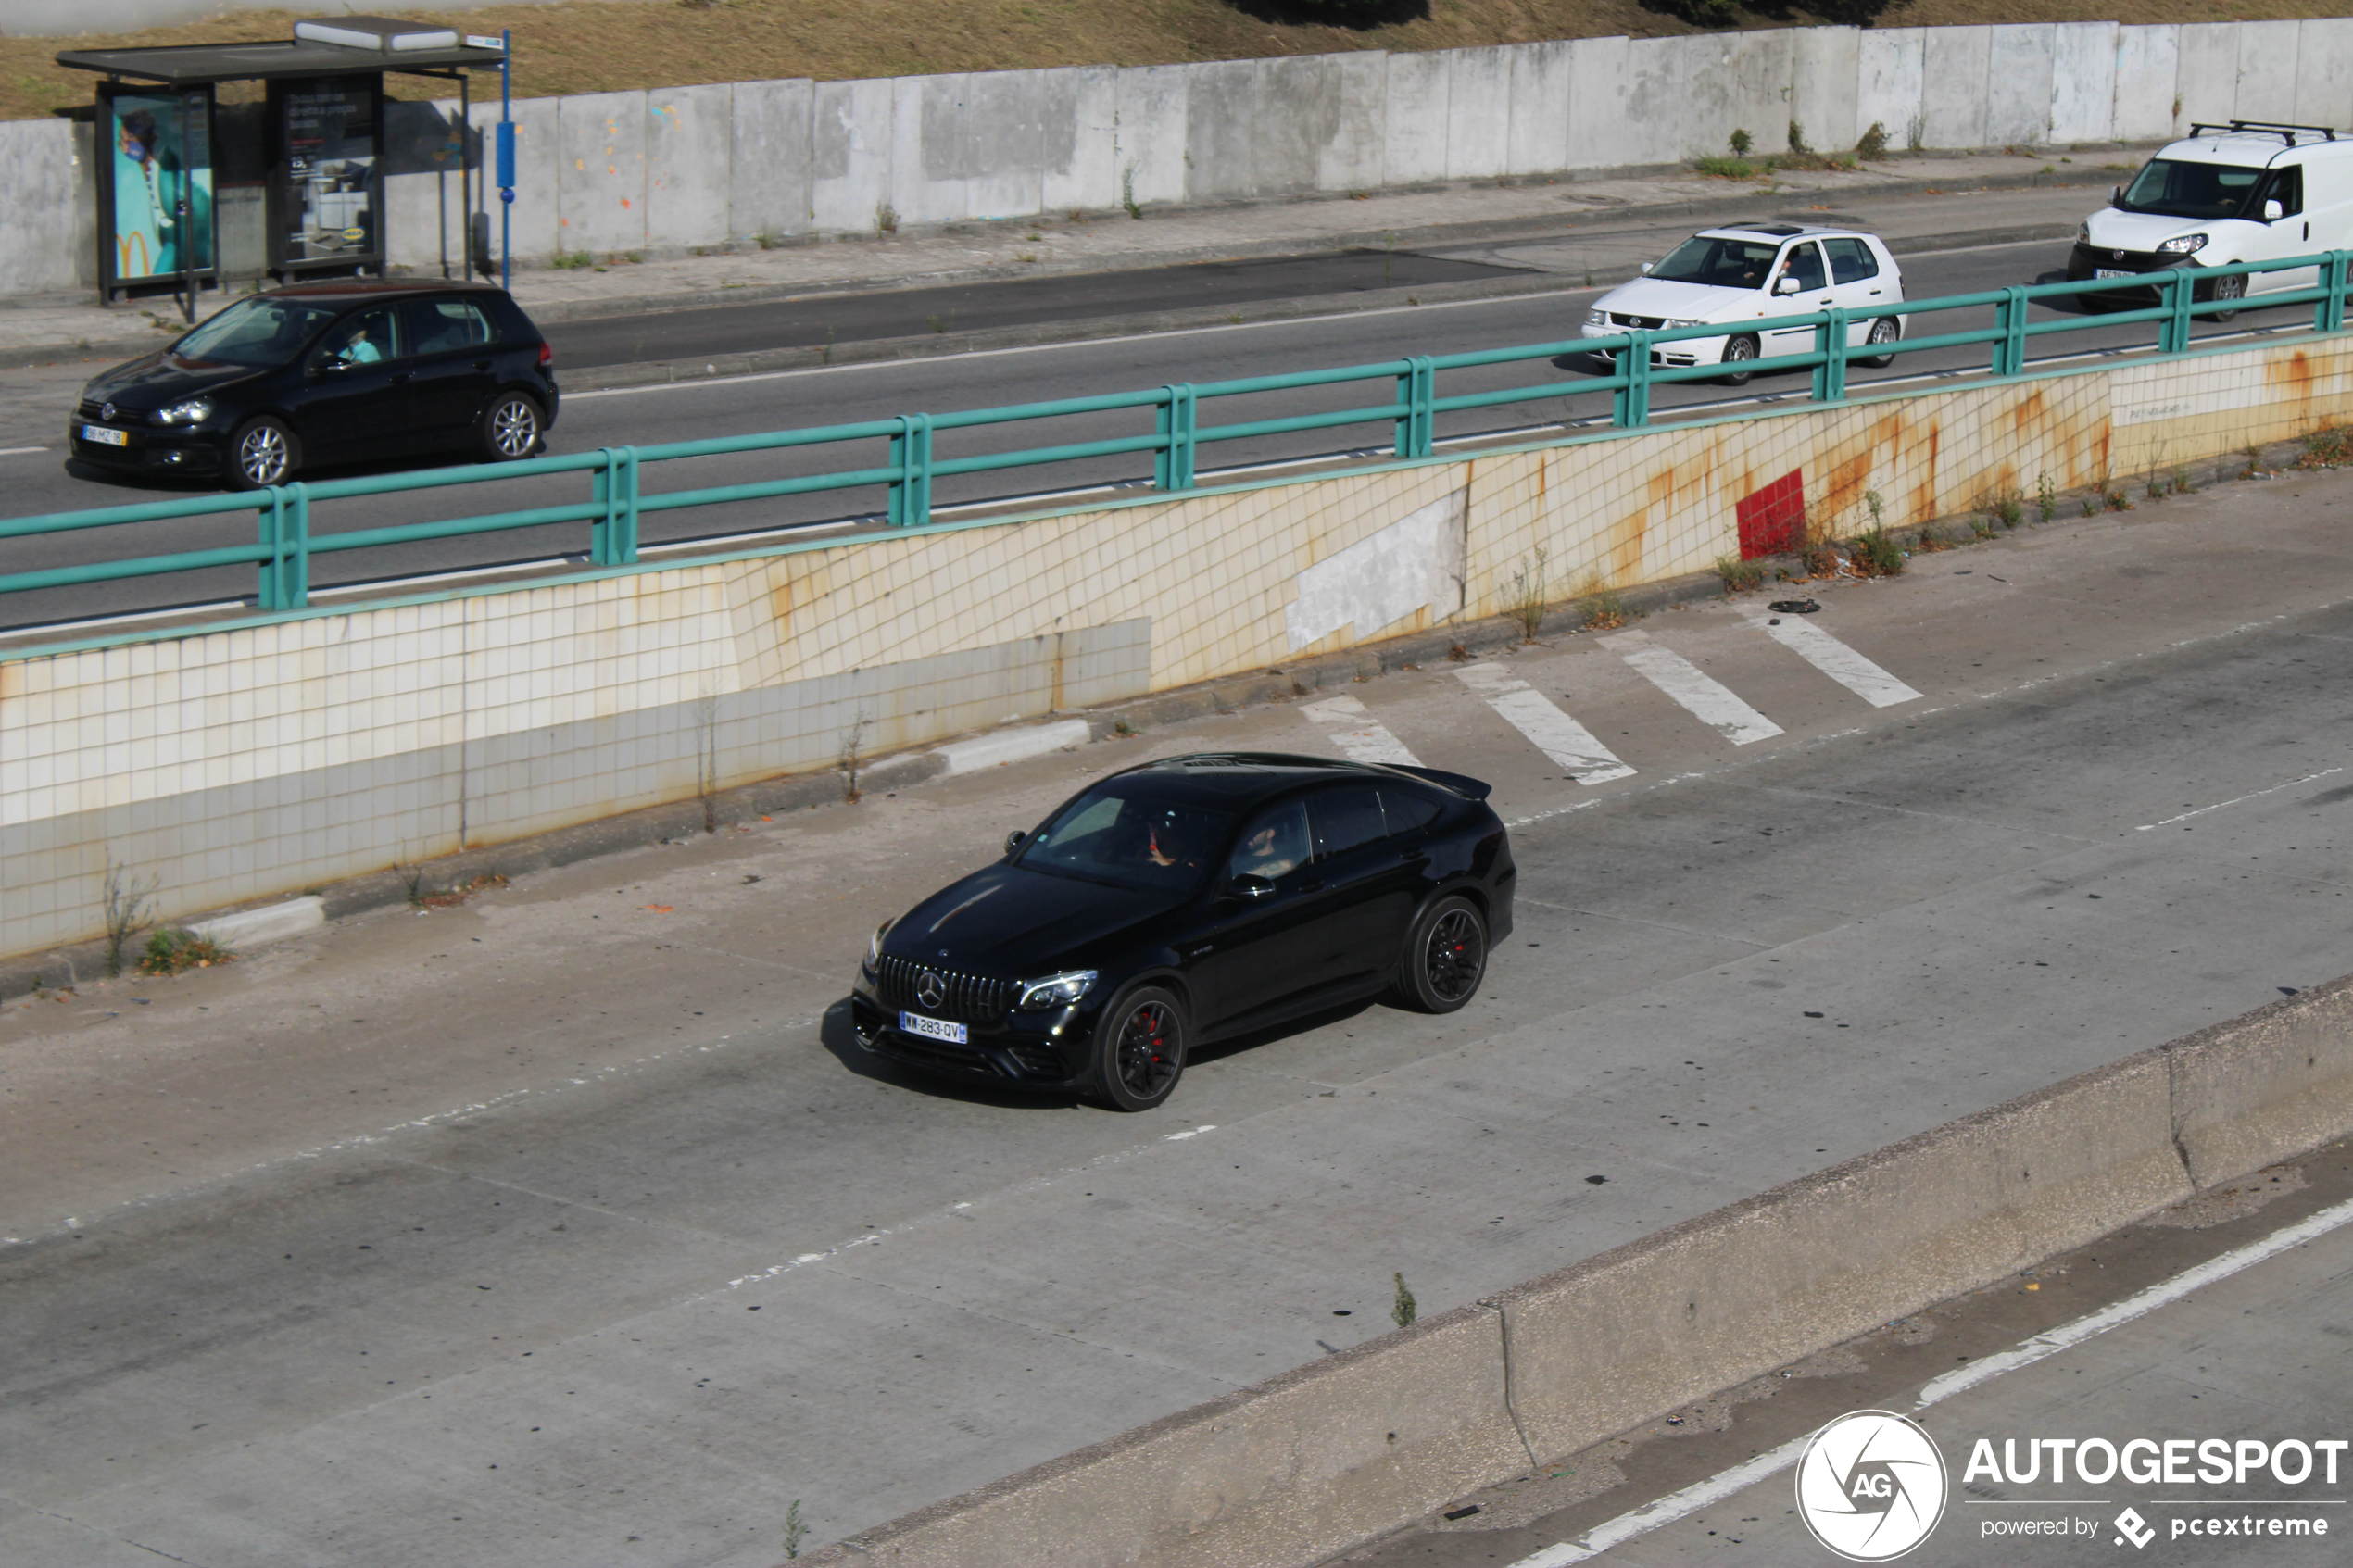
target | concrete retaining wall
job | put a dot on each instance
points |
(1620, 1339)
(672, 169)
(240, 763)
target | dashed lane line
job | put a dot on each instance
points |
(1833, 659)
(1550, 730)
(1358, 733)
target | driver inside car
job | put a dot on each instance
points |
(1275, 846)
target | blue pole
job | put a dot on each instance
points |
(506, 161)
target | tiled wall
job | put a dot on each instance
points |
(236, 764)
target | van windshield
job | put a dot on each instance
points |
(2175, 189)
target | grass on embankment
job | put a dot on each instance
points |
(600, 45)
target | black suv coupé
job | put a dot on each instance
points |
(333, 372)
(1184, 900)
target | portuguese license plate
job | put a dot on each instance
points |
(104, 437)
(932, 1028)
(2112, 272)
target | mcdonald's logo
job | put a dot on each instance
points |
(122, 245)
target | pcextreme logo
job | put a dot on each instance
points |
(1870, 1486)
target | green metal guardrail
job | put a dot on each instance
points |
(615, 503)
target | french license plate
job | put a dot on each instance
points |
(932, 1028)
(2111, 272)
(104, 437)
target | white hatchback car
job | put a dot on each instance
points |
(1743, 276)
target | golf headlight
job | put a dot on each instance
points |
(1056, 990)
(1670, 324)
(2083, 233)
(194, 411)
(1597, 318)
(874, 943)
(2182, 244)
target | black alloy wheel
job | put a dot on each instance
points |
(1883, 330)
(510, 428)
(1445, 956)
(2230, 288)
(263, 452)
(1140, 1048)
(1740, 351)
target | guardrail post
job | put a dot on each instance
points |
(612, 538)
(910, 505)
(1630, 405)
(1173, 464)
(2174, 333)
(294, 573)
(271, 514)
(1416, 426)
(1830, 341)
(2009, 349)
(2329, 315)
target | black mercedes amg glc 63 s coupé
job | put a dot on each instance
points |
(1187, 899)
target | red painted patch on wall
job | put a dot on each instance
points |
(1773, 518)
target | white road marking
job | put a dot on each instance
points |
(2236, 800)
(1702, 1494)
(21, 451)
(1833, 659)
(1709, 702)
(1361, 737)
(1552, 731)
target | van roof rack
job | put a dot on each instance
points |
(2289, 134)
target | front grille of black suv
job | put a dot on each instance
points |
(965, 998)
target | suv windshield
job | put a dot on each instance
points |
(255, 332)
(1719, 263)
(2175, 189)
(1146, 845)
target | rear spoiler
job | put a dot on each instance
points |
(1468, 788)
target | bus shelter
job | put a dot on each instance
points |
(160, 141)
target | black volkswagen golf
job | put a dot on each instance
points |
(1183, 900)
(333, 372)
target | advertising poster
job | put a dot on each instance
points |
(328, 130)
(162, 179)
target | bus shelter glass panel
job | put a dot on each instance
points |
(157, 171)
(329, 209)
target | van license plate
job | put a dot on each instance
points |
(104, 437)
(2111, 272)
(932, 1028)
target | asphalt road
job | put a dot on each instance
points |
(2249, 1347)
(36, 481)
(568, 1227)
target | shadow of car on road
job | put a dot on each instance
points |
(833, 1032)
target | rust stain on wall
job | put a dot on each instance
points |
(2291, 377)
(1843, 491)
(1926, 450)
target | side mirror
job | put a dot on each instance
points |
(1646, 266)
(1015, 840)
(1247, 886)
(2274, 212)
(1787, 285)
(2115, 194)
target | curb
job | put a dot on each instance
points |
(1343, 1450)
(1423, 236)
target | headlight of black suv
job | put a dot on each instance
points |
(874, 944)
(1056, 990)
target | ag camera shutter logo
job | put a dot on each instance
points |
(1870, 1486)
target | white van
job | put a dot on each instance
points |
(2248, 191)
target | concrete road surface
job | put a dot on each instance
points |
(568, 1226)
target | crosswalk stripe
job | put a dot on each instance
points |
(1552, 732)
(1357, 734)
(1707, 701)
(1833, 659)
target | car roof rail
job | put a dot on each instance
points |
(2289, 134)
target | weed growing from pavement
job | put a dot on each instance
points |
(707, 758)
(1600, 608)
(886, 219)
(1740, 142)
(1876, 552)
(126, 900)
(176, 953)
(2326, 447)
(1873, 144)
(852, 740)
(796, 1530)
(1740, 576)
(1128, 193)
(571, 260)
(2046, 496)
(1526, 601)
(1914, 130)
(1403, 1311)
